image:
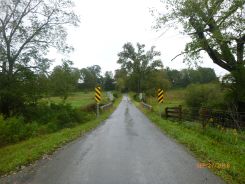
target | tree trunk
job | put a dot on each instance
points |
(239, 87)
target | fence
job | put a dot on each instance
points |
(214, 117)
(175, 112)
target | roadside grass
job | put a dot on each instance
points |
(211, 146)
(14, 156)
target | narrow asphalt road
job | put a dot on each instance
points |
(126, 149)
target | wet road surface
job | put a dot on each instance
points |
(126, 149)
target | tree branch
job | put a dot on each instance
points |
(211, 52)
(33, 35)
(196, 51)
(6, 40)
(233, 8)
(24, 13)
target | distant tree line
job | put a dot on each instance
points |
(185, 77)
(91, 76)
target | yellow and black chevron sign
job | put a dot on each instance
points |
(160, 94)
(97, 94)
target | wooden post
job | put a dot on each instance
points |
(180, 112)
(98, 110)
(160, 110)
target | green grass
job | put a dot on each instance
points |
(77, 99)
(14, 156)
(213, 144)
(171, 98)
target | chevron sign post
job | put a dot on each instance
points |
(160, 95)
(98, 98)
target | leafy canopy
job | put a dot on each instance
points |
(138, 65)
(215, 26)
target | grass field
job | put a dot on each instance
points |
(171, 98)
(14, 156)
(77, 99)
(213, 146)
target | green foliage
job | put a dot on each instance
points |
(26, 87)
(215, 27)
(121, 80)
(41, 119)
(65, 116)
(108, 82)
(136, 97)
(235, 81)
(63, 80)
(157, 79)
(25, 39)
(90, 77)
(115, 94)
(14, 129)
(205, 95)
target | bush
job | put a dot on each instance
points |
(42, 119)
(14, 129)
(136, 97)
(89, 108)
(115, 94)
(205, 95)
(63, 113)
(65, 116)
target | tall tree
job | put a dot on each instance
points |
(64, 79)
(139, 63)
(109, 84)
(121, 80)
(216, 27)
(155, 80)
(28, 28)
(91, 76)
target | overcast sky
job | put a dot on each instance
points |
(106, 25)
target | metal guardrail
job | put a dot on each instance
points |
(106, 106)
(147, 106)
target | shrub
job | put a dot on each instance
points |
(136, 97)
(89, 108)
(81, 116)
(42, 119)
(65, 116)
(115, 94)
(205, 95)
(14, 129)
